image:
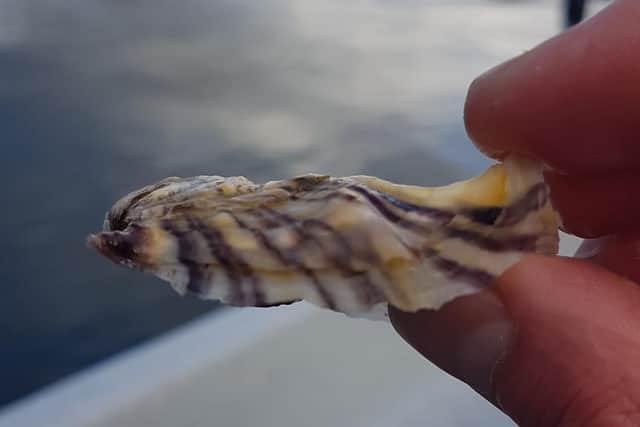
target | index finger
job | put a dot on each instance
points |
(573, 101)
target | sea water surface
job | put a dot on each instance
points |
(98, 98)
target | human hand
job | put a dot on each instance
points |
(556, 341)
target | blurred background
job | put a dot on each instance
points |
(98, 98)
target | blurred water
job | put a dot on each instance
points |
(100, 97)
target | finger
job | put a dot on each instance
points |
(464, 338)
(596, 206)
(618, 253)
(572, 359)
(572, 101)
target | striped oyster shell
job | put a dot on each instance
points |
(352, 245)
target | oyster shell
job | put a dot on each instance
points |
(353, 244)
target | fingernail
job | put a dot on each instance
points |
(468, 338)
(590, 248)
(480, 352)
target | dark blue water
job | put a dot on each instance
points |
(100, 97)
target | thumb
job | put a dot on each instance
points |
(556, 342)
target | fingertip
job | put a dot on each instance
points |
(570, 101)
(571, 315)
(466, 337)
(543, 287)
(484, 97)
(534, 343)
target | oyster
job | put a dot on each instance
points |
(352, 245)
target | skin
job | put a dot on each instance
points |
(556, 341)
